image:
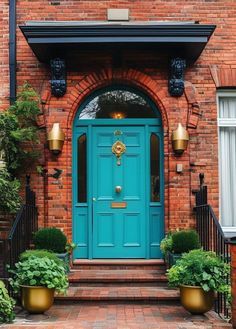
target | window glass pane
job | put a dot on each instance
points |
(155, 167)
(227, 107)
(228, 175)
(117, 104)
(82, 169)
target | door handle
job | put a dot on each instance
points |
(94, 199)
(118, 189)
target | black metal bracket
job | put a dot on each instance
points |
(58, 81)
(176, 77)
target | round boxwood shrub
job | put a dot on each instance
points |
(50, 238)
(184, 241)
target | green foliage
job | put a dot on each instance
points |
(40, 253)
(18, 138)
(9, 192)
(200, 268)
(37, 271)
(70, 246)
(184, 241)
(166, 244)
(50, 238)
(19, 131)
(7, 314)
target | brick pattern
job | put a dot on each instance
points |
(4, 54)
(196, 109)
(119, 316)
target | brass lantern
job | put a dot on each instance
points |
(180, 138)
(56, 139)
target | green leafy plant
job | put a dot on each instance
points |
(50, 238)
(200, 268)
(37, 271)
(19, 135)
(10, 199)
(19, 130)
(166, 244)
(7, 304)
(70, 246)
(184, 241)
(40, 253)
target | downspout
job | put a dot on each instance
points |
(12, 49)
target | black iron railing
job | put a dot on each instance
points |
(212, 239)
(21, 233)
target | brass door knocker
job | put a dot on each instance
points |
(118, 148)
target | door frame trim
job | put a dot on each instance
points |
(86, 126)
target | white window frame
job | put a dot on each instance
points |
(224, 123)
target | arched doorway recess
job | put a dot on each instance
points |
(118, 176)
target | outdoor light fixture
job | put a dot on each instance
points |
(118, 115)
(56, 139)
(180, 138)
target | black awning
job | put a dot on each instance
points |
(51, 39)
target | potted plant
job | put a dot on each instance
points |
(166, 246)
(7, 304)
(41, 253)
(54, 240)
(199, 274)
(177, 243)
(38, 278)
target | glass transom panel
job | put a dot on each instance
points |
(117, 104)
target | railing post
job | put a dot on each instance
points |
(233, 280)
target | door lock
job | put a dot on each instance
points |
(118, 189)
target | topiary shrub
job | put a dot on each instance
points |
(7, 314)
(40, 253)
(184, 241)
(50, 238)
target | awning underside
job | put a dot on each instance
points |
(51, 39)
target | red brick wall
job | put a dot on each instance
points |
(196, 109)
(4, 39)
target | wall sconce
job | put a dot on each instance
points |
(56, 139)
(180, 138)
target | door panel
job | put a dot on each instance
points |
(119, 232)
(100, 230)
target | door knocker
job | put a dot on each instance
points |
(118, 148)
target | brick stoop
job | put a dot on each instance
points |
(119, 280)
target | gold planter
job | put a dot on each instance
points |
(196, 300)
(37, 299)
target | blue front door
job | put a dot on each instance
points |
(118, 201)
(119, 212)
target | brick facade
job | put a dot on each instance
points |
(196, 109)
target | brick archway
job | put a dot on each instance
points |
(104, 78)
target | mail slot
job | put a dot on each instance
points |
(119, 205)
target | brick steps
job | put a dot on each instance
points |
(117, 293)
(136, 281)
(117, 264)
(122, 277)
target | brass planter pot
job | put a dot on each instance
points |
(37, 299)
(196, 300)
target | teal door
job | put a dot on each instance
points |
(118, 185)
(118, 201)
